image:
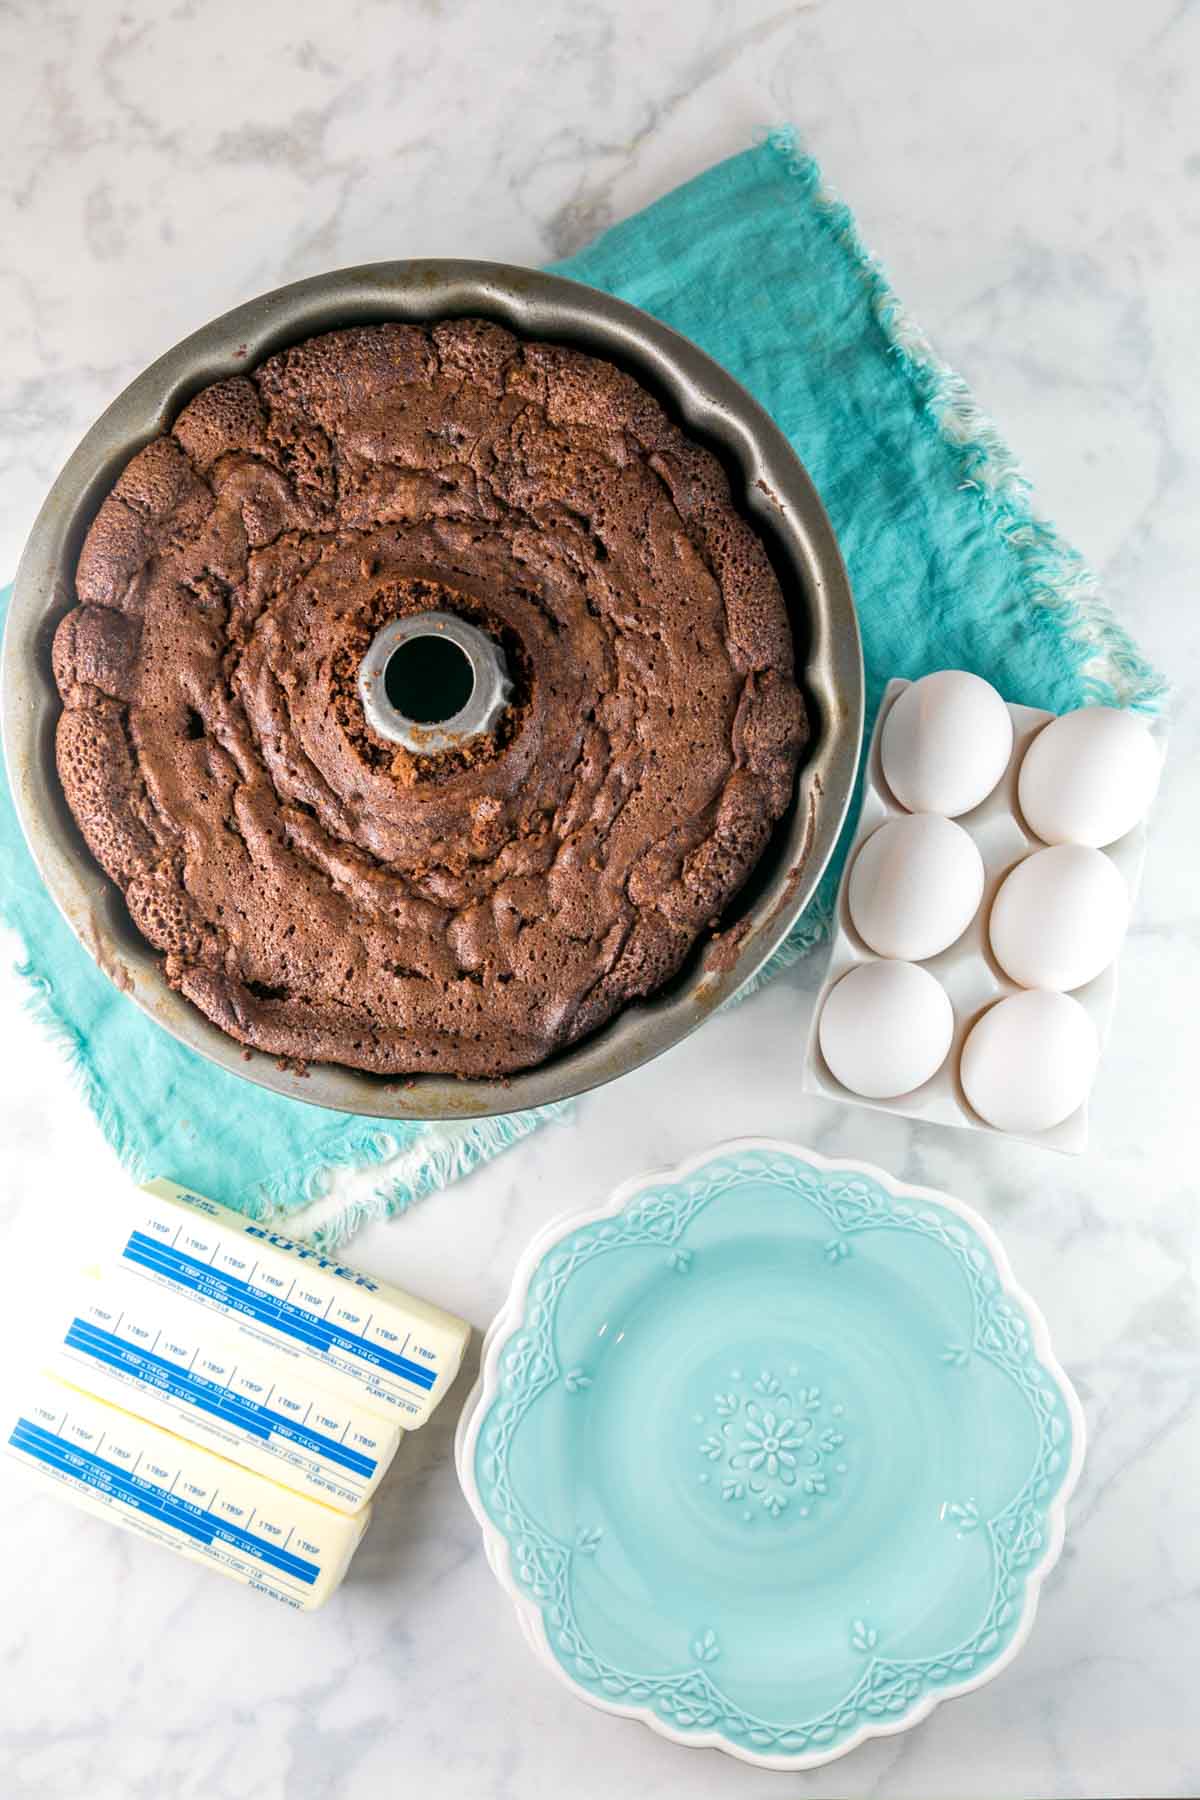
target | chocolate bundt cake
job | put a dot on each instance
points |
(323, 892)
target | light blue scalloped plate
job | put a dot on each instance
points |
(771, 1452)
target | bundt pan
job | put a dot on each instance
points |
(768, 483)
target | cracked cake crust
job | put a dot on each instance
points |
(317, 891)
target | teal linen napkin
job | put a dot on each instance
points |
(951, 568)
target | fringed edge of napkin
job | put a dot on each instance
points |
(446, 1154)
(399, 1174)
(1112, 669)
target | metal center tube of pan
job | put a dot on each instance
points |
(432, 682)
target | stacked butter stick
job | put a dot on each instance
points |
(232, 1393)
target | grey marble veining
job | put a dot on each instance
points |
(1030, 176)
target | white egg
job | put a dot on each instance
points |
(915, 886)
(946, 743)
(1059, 917)
(885, 1028)
(1089, 777)
(1028, 1063)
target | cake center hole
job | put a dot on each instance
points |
(428, 679)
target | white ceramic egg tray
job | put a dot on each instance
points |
(967, 970)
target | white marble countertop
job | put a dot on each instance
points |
(1030, 176)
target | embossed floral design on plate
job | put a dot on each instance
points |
(836, 1476)
(776, 1448)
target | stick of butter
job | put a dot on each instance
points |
(128, 1471)
(399, 1354)
(133, 1344)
